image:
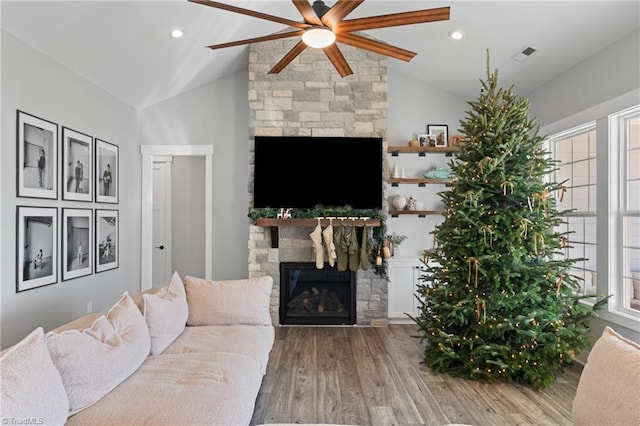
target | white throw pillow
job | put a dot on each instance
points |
(166, 314)
(229, 302)
(95, 360)
(608, 387)
(31, 385)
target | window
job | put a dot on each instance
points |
(575, 150)
(625, 136)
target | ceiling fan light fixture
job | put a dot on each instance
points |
(318, 37)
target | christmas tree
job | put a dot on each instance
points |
(499, 301)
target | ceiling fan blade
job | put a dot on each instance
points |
(307, 12)
(253, 13)
(286, 60)
(257, 39)
(339, 62)
(375, 46)
(338, 11)
(394, 19)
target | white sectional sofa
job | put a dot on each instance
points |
(193, 352)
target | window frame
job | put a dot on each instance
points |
(618, 202)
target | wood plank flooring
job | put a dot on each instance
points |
(373, 376)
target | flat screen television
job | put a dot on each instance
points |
(307, 172)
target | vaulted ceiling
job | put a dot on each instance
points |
(125, 48)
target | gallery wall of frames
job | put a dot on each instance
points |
(59, 163)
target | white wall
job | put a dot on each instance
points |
(607, 82)
(187, 216)
(33, 83)
(414, 104)
(214, 114)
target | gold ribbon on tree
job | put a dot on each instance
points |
(468, 196)
(538, 237)
(559, 283)
(507, 185)
(564, 190)
(476, 264)
(483, 161)
(543, 199)
(524, 224)
(481, 303)
(487, 231)
(563, 241)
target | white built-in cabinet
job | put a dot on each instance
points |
(404, 274)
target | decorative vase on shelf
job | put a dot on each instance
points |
(395, 173)
(411, 203)
(399, 202)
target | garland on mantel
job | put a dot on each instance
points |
(379, 232)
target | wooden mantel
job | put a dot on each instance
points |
(275, 224)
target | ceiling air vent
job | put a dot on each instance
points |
(524, 54)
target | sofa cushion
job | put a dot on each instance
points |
(181, 389)
(254, 341)
(166, 314)
(31, 385)
(609, 381)
(243, 301)
(94, 360)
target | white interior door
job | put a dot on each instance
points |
(161, 257)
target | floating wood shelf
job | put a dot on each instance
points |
(421, 150)
(419, 181)
(274, 224)
(419, 213)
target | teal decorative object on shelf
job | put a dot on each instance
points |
(438, 173)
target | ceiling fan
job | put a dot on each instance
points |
(324, 25)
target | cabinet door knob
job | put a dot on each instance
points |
(160, 247)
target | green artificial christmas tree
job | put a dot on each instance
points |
(500, 301)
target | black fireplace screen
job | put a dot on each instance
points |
(311, 296)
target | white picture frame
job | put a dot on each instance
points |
(37, 157)
(77, 243)
(77, 164)
(106, 244)
(106, 167)
(36, 247)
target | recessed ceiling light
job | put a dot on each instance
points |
(176, 33)
(456, 34)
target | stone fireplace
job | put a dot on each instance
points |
(309, 98)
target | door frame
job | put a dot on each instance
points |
(146, 243)
(164, 161)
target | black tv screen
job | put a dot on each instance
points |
(308, 172)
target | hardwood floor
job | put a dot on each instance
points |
(373, 376)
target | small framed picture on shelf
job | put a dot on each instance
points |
(440, 132)
(423, 139)
(37, 157)
(77, 243)
(37, 247)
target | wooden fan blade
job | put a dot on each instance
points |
(257, 39)
(394, 19)
(307, 12)
(293, 53)
(375, 46)
(338, 11)
(253, 13)
(339, 62)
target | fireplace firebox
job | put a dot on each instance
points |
(312, 296)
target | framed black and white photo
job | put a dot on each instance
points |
(36, 247)
(106, 172)
(77, 163)
(77, 243)
(441, 133)
(106, 241)
(37, 157)
(423, 139)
